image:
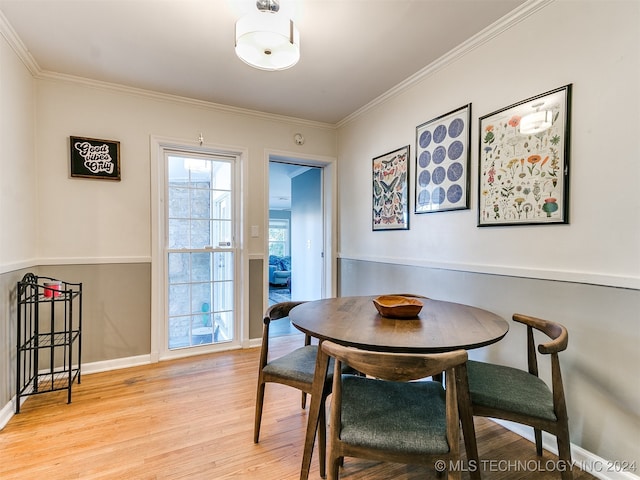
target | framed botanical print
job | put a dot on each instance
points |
(390, 190)
(442, 162)
(524, 162)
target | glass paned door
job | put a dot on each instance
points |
(200, 250)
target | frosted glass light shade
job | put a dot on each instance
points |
(267, 41)
(536, 122)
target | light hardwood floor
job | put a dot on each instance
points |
(193, 419)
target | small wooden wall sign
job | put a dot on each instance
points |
(94, 158)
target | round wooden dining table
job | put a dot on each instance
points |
(354, 321)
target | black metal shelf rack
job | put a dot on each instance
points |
(49, 331)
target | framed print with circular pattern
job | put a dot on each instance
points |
(442, 162)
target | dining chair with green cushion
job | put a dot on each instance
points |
(512, 394)
(295, 369)
(387, 416)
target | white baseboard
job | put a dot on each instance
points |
(582, 459)
(116, 364)
(7, 412)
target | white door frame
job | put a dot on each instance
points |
(329, 213)
(158, 145)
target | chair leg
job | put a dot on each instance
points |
(258, 418)
(564, 453)
(468, 425)
(322, 440)
(538, 435)
(454, 474)
(471, 446)
(334, 466)
(304, 400)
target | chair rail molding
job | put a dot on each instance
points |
(618, 281)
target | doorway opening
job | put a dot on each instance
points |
(296, 231)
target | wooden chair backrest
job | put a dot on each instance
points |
(559, 341)
(276, 311)
(399, 367)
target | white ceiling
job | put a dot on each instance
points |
(280, 175)
(352, 51)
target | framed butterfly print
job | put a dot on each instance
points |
(390, 190)
(442, 162)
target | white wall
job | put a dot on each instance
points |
(111, 220)
(307, 242)
(595, 45)
(19, 197)
(18, 201)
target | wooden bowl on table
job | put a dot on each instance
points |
(398, 306)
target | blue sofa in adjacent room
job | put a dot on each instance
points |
(279, 271)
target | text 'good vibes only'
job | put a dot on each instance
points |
(96, 157)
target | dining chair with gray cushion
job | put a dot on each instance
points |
(512, 394)
(295, 369)
(387, 416)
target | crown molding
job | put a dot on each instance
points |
(10, 35)
(482, 37)
(525, 10)
(115, 87)
(7, 31)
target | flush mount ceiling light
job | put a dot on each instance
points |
(266, 39)
(536, 122)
